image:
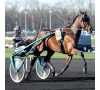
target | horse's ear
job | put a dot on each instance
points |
(80, 11)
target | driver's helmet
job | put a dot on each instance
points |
(18, 29)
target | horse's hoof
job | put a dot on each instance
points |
(85, 70)
(56, 75)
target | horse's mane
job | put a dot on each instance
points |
(71, 23)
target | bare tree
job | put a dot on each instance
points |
(63, 13)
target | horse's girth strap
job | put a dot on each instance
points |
(62, 47)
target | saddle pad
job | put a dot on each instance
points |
(58, 34)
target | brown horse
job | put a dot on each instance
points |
(69, 43)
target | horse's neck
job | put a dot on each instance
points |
(75, 28)
(77, 31)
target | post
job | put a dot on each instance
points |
(20, 19)
(50, 18)
(25, 24)
(46, 25)
(16, 23)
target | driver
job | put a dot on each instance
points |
(17, 36)
(17, 40)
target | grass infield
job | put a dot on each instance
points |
(8, 53)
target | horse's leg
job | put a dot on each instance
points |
(77, 52)
(47, 59)
(36, 54)
(85, 64)
(30, 68)
(68, 60)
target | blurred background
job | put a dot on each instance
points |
(35, 15)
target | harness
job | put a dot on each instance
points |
(59, 33)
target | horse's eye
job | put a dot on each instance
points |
(87, 19)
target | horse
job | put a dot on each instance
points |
(74, 26)
(69, 43)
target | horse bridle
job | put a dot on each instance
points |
(85, 18)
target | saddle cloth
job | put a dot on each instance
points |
(58, 34)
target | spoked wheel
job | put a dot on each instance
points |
(42, 69)
(17, 76)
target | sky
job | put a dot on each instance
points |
(45, 1)
(51, 2)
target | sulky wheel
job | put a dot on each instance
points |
(42, 69)
(17, 76)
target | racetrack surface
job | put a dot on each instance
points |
(72, 79)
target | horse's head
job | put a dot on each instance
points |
(85, 22)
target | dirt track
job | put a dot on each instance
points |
(72, 79)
